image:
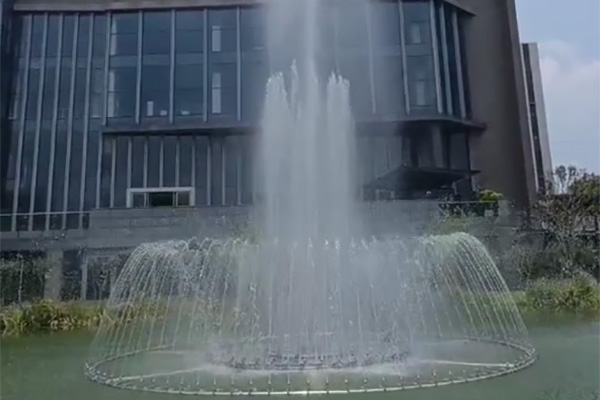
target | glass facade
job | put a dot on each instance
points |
(84, 81)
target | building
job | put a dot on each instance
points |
(540, 141)
(114, 108)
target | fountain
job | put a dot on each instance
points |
(314, 305)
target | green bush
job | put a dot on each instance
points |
(579, 294)
(47, 316)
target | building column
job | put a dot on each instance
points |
(54, 278)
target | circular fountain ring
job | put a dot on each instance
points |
(372, 379)
(230, 317)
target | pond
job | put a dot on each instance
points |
(49, 367)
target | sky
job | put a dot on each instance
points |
(568, 33)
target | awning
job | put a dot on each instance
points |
(419, 178)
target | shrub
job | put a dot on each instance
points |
(579, 294)
(46, 316)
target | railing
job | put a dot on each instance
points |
(44, 221)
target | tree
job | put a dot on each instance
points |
(563, 214)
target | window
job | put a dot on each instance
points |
(252, 21)
(189, 32)
(189, 93)
(163, 197)
(421, 81)
(351, 25)
(157, 33)
(385, 24)
(223, 89)
(121, 92)
(123, 34)
(216, 38)
(37, 35)
(222, 30)
(417, 22)
(189, 68)
(216, 93)
(155, 91)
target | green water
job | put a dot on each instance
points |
(49, 367)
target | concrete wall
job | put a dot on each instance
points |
(495, 80)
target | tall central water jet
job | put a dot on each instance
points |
(307, 138)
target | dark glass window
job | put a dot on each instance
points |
(385, 24)
(96, 92)
(121, 172)
(155, 90)
(137, 161)
(68, 35)
(16, 96)
(157, 33)
(389, 85)
(121, 92)
(223, 93)
(41, 186)
(231, 170)
(216, 169)
(254, 79)
(64, 88)
(247, 169)
(53, 36)
(201, 160)
(124, 34)
(189, 68)
(32, 94)
(79, 102)
(60, 160)
(189, 92)
(91, 169)
(351, 23)
(189, 31)
(75, 174)
(222, 30)
(169, 158)
(154, 151)
(417, 22)
(185, 144)
(253, 29)
(83, 36)
(106, 172)
(99, 45)
(421, 81)
(37, 35)
(48, 93)
(356, 70)
(26, 168)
